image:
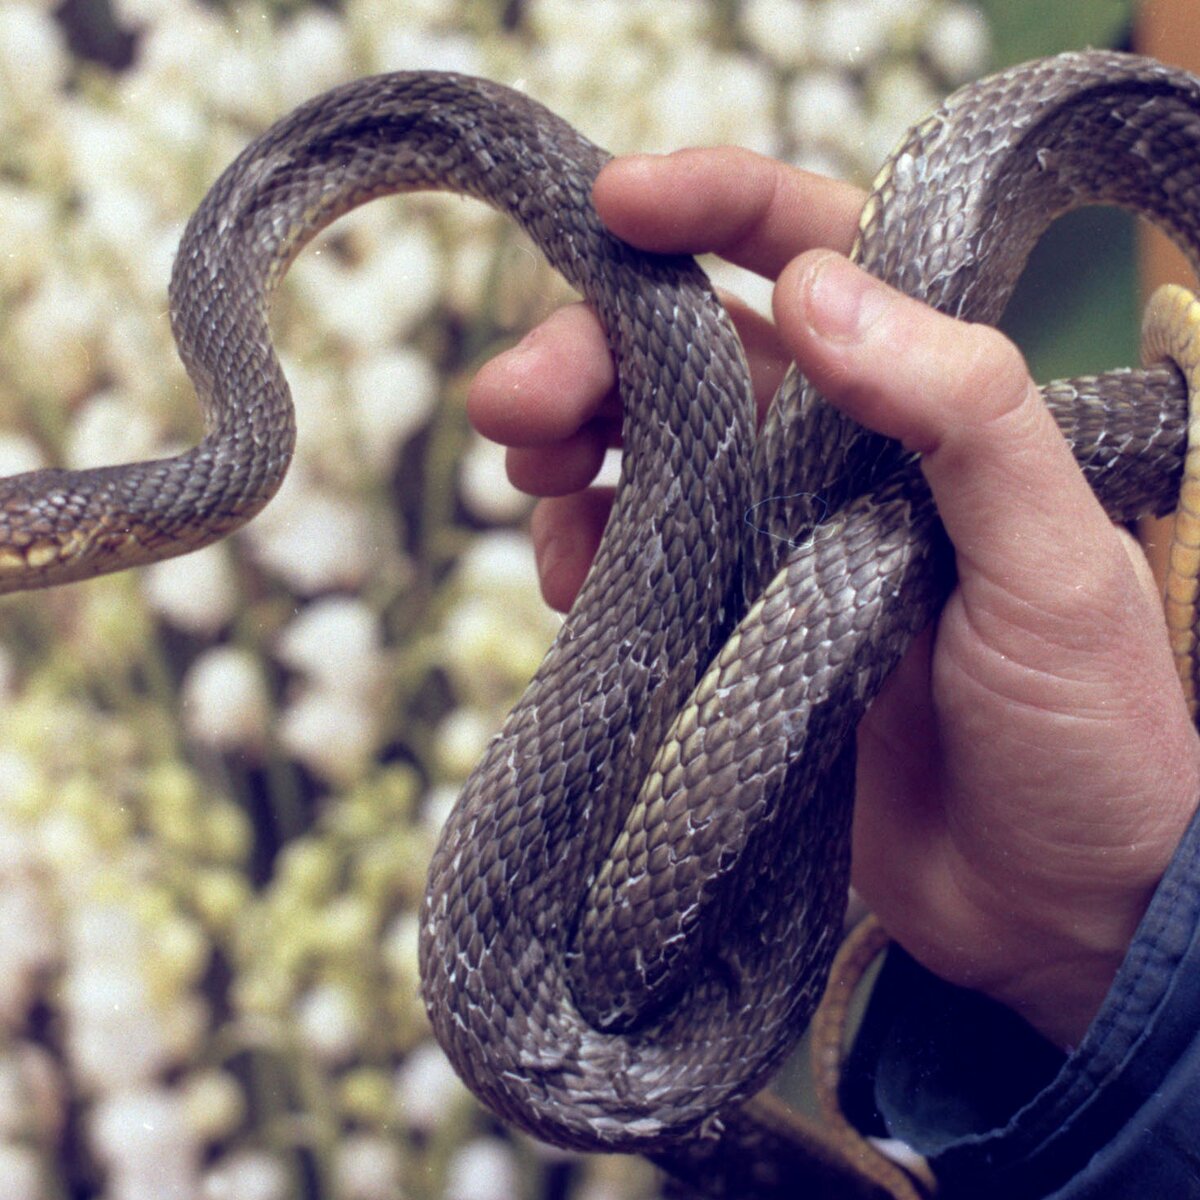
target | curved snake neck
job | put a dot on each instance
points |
(631, 909)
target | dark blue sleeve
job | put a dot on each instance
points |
(1000, 1113)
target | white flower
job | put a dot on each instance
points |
(114, 1039)
(566, 78)
(564, 21)
(330, 1021)
(337, 643)
(331, 734)
(403, 47)
(175, 122)
(28, 943)
(708, 98)
(214, 1102)
(825, 106)
(136, 347)
(142, 1136)
(33, 60)
(495, 636)
(313, 539)
(471, 259)
(13, 1106)
(54, 327)
(18, 776)
(427, 1089)
(170, 49)
(901, 96)
(196, 592)
(103, 147)
(107, 161)
(617, 22)
(18, 454)
(123, 215)
(482, 1170)
(438, 805)
(368, 1168)
(179, 953)
(224, 699)
(957, 41)
(248, 1175)
(140, 12)
(902, 21)
(778, 29)
(103, 933)
(21, 1171)
(18, 843)
(238, 77)
(417, 14)
(669, 26)
(66, 843)
(399, 946)
(184, 1023)
(394, 390)
(27, 224)
(461, 740)
(371, 303)
(483, 483)
(846, 35)
(311, 55)
(322, 444)
(7, 681)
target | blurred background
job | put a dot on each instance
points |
(221, 778)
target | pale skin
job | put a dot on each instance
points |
(1028, 771)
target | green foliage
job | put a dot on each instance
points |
(1024, 29)
(1076, 308)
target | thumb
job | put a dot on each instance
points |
(1038, 559)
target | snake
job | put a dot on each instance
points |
(632, 908)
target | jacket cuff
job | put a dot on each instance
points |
(999, 1111)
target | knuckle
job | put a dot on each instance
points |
(994, 384)
(995, 369)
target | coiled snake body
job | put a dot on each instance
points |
(632, 908)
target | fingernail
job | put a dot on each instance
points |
(528, 341)
(524, 357)
(841, 302)
(636, 160)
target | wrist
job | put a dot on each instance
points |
(1060, 993)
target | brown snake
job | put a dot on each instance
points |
(633, 906)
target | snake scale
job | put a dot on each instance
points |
(633, 906)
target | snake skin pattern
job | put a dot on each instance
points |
(632, 908)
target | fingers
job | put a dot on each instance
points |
(552, 398)
(752, 210)
(548, 386)
(757, 212)
(568, 466)
(566, 532)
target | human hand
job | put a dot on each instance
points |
(1026, 773)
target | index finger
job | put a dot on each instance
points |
(752, 210)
